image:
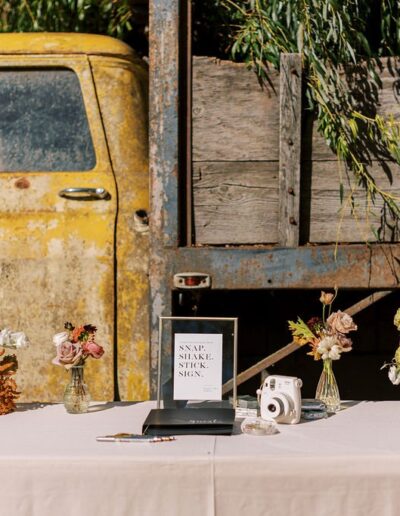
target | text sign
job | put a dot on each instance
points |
(198, 366)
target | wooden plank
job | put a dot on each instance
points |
(234, 118)
(289, 150)
(283, 352)
(387, 104)
(325, 219)
(260, 366)
(368, 301)
(228, 127)
(327, 176)
(235, 202)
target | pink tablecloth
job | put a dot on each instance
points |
(51, 464)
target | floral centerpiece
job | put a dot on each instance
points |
(74, 346)
(328, 338)
(8, 367)
(394, 364)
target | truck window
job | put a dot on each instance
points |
(43, 122)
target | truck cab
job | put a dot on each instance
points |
(73, 204)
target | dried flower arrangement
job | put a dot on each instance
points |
(75, 345)
(8, 367)
(327, 336)
(328, 339)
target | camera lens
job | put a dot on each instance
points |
(274, 408)
(278, 406)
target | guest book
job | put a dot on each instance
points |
(214, 421)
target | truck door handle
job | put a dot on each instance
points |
(84, 194)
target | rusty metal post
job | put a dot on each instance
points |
(164, 150)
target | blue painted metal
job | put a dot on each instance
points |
(164, 145)
(164, 119)
(353, 266)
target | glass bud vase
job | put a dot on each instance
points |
(76, 394)
(327, 389)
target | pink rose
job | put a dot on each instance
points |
(345, 343)
(92, 349)
(68, 355)
(341, 322)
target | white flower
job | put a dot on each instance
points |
(329, 348)
(60, 338)
(19, 339)
(5, 338)
(13, 339)
(394, 375)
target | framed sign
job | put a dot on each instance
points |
(197, 362)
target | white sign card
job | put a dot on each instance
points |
(198, 366)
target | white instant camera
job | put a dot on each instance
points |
(280, 399)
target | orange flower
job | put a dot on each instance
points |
(326, 298)
(314, 349)
(76, 332)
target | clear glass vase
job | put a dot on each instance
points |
(327, 389)
(76, 394)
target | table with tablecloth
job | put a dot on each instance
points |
(51, 464)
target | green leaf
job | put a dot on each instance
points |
(300, 329)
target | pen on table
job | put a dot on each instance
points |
(135, 438)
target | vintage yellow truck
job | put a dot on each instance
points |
(73, 201)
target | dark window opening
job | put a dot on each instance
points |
(43, 122)
(263, 329)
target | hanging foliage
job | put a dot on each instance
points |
(341, 42)
(112, 17)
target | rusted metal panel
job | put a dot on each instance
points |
(164, 145)
(353, 266)
(164, 69)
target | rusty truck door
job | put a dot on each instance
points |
(57, 216)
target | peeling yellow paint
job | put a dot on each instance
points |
(126, 120)
(57, 256)
(65, 43)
